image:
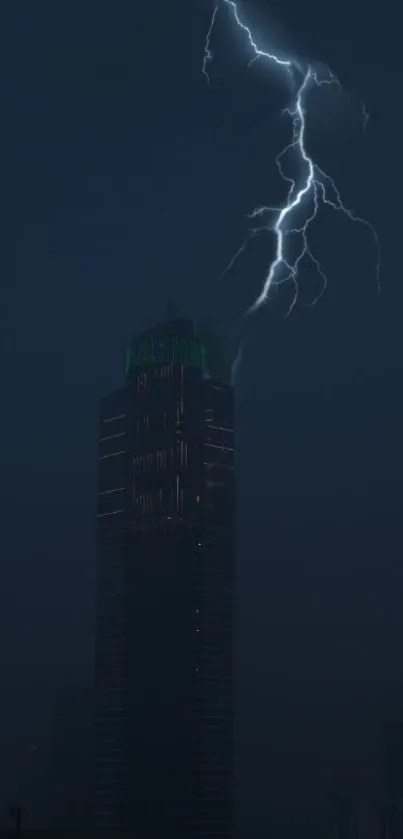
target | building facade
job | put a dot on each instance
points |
(163, 717)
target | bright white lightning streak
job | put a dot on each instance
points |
(317, 187)
(208, 55)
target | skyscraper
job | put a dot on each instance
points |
(163, 717)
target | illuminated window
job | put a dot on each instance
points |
(113, 513)
(110, 491)
(114, 454)
(112, 437)
(112, 419)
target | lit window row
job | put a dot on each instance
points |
(148, 462)
(113, 454)
(111, 491)
(147, 503)
(222, 448)
(147, 382)
(144, 504)
(183, 453)
(113, 419)
(162, 458)
(142, 383)
(143, 424)
(178, 495)
(221, 428)
(179, 411)
(112, 513)
(112, 436)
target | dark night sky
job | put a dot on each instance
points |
(125, 180)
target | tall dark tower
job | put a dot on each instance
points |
(163, 718)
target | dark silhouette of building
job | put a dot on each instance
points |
(163, 720)
(15, 813)
(392, 810)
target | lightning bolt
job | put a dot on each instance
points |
(208, 55)
(314, 190)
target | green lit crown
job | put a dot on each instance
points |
(152, 349)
